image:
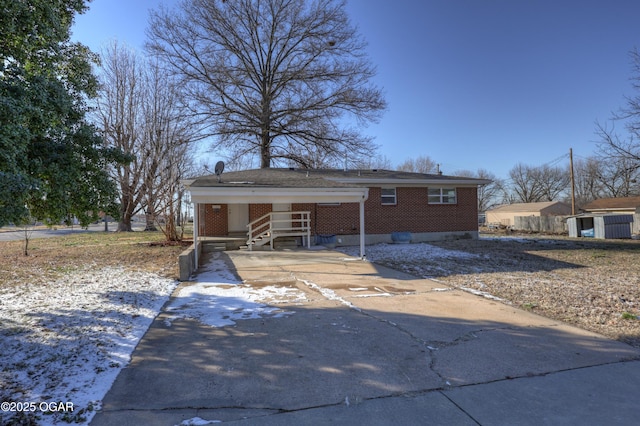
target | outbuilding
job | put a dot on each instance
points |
(505, 215)
(603, 226)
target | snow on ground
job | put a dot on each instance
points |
(218, 299)
(66, 341)
(405, 252)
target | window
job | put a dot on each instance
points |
(442, 196)
(388, 196)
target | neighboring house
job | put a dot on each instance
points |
(505, 214)
(625, 205)
(353, 206)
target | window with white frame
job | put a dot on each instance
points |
(442, 196)
(388, 196)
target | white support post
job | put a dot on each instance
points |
(196, 218)
(362, 253)
(308, 222)
(271, 230)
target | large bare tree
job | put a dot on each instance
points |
(120, 117)
(535, 184)
(139, 114)
(276, 79)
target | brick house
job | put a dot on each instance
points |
(264, 204)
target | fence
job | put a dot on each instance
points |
(550, 224)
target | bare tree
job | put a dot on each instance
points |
(139, 113)
(619, 178)
(489, 194)
(587, 174)
(552, 181)
(272, 78)
(168, 134)
(119, 111)
(615, 148)
(421, 164)
(535, 184)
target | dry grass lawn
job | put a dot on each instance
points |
(594, 284)
(51, 258)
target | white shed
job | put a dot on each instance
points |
(603, 226)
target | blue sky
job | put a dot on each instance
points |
(470, 83)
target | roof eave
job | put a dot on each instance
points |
(411, 182)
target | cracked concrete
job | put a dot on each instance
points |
(370, 345)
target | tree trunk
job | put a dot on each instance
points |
(150, 221)
(125, 225)
(265, 155)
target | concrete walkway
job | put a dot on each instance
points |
(373, 346)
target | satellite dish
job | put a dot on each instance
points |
(219, 169)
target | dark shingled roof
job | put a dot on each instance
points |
(316, 178)
(614, 203)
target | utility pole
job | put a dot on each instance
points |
(573, 184)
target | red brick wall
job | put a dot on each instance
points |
(343, 219)
(411, 213)
(216, 222)
(304, 207)
(258, 210)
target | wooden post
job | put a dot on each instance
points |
(573, 184)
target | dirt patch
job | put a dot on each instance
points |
(594, 284)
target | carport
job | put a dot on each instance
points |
(212, 190)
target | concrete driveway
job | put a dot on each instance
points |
(371, 345)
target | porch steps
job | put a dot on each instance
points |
(276, 231)
(285, 243)
(210, 246)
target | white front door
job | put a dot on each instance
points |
(238, 217)
(281, 221)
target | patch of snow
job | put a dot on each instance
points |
(482, 293)
(197, 421)
(330, 294)
(364, 296)
(404, 252)
(218, 299)
(66, 341)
